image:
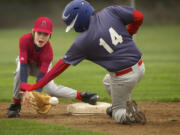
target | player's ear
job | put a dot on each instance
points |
(33, 33)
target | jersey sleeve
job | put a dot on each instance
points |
(23, 51)
(38, 78)
(23, 72)
(137, 21)
(74, 55)
(125, 13)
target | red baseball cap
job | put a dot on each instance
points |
(43, 24)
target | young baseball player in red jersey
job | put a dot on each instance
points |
(35, 57)
(105, 39)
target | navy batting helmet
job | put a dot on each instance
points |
(77, 14)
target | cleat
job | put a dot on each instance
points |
(109, 111)
(133, 115)
(90, 98)
(13, 110)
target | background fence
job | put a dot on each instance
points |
(22, 13)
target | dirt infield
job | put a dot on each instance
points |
(162, 119)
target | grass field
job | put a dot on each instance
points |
(26, 127)
(161, 55)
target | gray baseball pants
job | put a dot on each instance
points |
(120, 89)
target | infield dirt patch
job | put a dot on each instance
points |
(162, 119)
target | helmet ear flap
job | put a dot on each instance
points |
(76, 8)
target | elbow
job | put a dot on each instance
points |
(138, 17)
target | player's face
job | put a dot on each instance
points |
(41, 38)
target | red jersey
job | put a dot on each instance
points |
(28, 54)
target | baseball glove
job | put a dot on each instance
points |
(38, 101)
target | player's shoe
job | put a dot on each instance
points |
(109, 111)
(133, 115)
(90, 98)
(13, 110)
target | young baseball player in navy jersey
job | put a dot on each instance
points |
(105, 39)
(35, 57)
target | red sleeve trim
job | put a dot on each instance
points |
(137, 21)
(22, 51)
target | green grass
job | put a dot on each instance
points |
(17, 126)
(160, 46)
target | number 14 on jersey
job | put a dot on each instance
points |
(115, 38)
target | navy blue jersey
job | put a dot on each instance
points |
(106, 42)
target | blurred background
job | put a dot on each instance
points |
(22, 13)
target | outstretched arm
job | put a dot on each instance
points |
(137, 21)
(56, 70)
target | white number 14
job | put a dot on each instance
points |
(115, 38)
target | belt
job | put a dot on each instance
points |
(125, 71)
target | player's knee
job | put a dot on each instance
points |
(106, 79)
(106, 82)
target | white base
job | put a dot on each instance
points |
(87, 109)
